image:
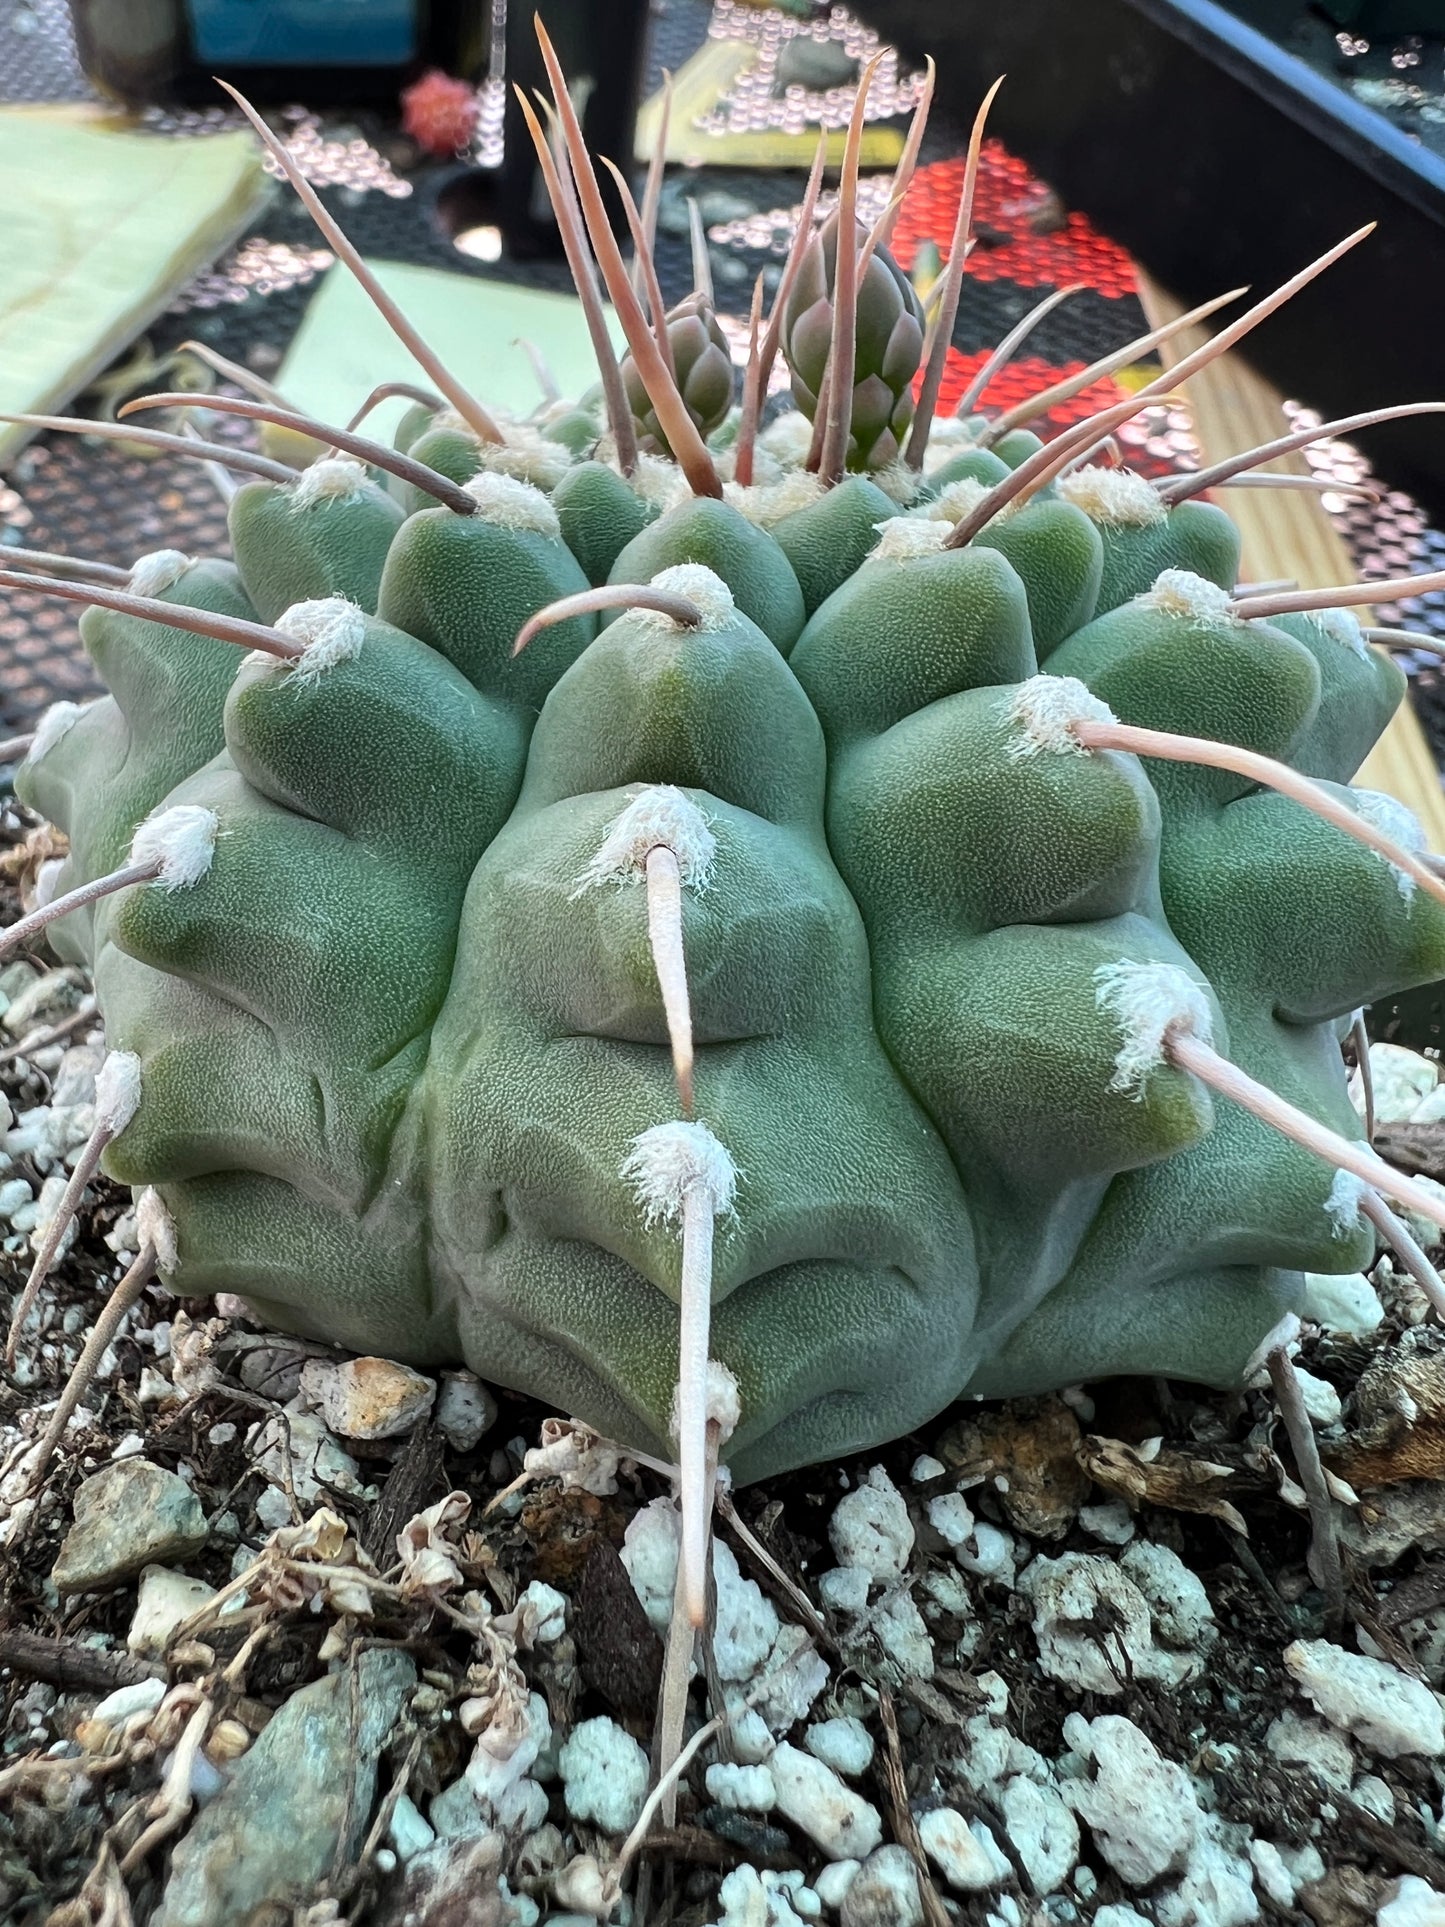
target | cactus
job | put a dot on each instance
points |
(746, 961)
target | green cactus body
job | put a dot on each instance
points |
(401, 1032)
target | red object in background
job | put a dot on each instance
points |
(1021, 379)
(439, 113)
(1021, 233)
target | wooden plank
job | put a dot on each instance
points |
(1287, 533)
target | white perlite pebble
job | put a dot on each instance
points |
(832, 1884)
(1414, 1905)
(1276, 1881)
(1140, 1807)
(1402, 1080)
(844, 1589)
(884, 1892)
(1382, 1707)
(126, 1701)
(925, 1468)
(1321, 1400)
(844, 1744)
(1218, 1887)
(649, 1555)
(743, 1789)
(1300, 1741)
(604, 1775)
(165, 1599)
(550, 1609)
(1178, 1603)
(464, 1410)
(1375, 1796)
(746, 1623)
(1044, 1832)
(409, 1832)
(742, 1898)
(1094, 1628)
(1347, 1303)
(1111, 1521)
(871, 1527)
(813, 1797)
(950, 1517)
(967, 1856)
(1119, 1914)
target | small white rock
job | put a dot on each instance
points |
(812, 1796)
(845, 1744)
(1346, 1303)
(925, 1468)
(367, 1398)
(1321, 1400)
(604, 1775)
(1299, 1740)
(832, 1884)
(1112, 1521)
(743, 1789)
(1043, 1830)
(1414, 1905)
(1178, 1604)
(465, 1410)
(126, 1701)
(649, 1554)
(1275, 1879)
(871, 1528)
(747, 1623)
(1140, 1807)
(550, 1608)
(743, 1899)
(1375, 1796)
(1218, 1887)
(884, 1892)
(951, 1517)
(844, 1589)
(967, 1856)
(1382, 1707)
(1119, 1914)
(1402, 1079)
(1094, 1627)
(410, 1833)
(166, 1598)
(989, 1553)
(899, 1628)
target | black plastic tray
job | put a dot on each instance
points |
(1217, 157)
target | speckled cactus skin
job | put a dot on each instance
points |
(393, 1060)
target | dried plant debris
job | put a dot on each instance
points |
(295, 1637)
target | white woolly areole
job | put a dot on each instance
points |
(1148, 1001)
(660, 482)
(182, 840)
(526, 454)
(117, 1091)
(1047, 708)
(722, 1400)
(898, 481)
(904, 538)
(162, 569)
(1342, 1206)
(958, 499)
(671, 1162)
(1117, 497)
(702, 587)
(57, 721)
(335, 478)
(949, 436)
(512, 503)
(660, 815)
(769, 502)
(330, 630)
(1179, 592)
(789, 436)
(1343, 626)
(154, 1225)
(1390, 816)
